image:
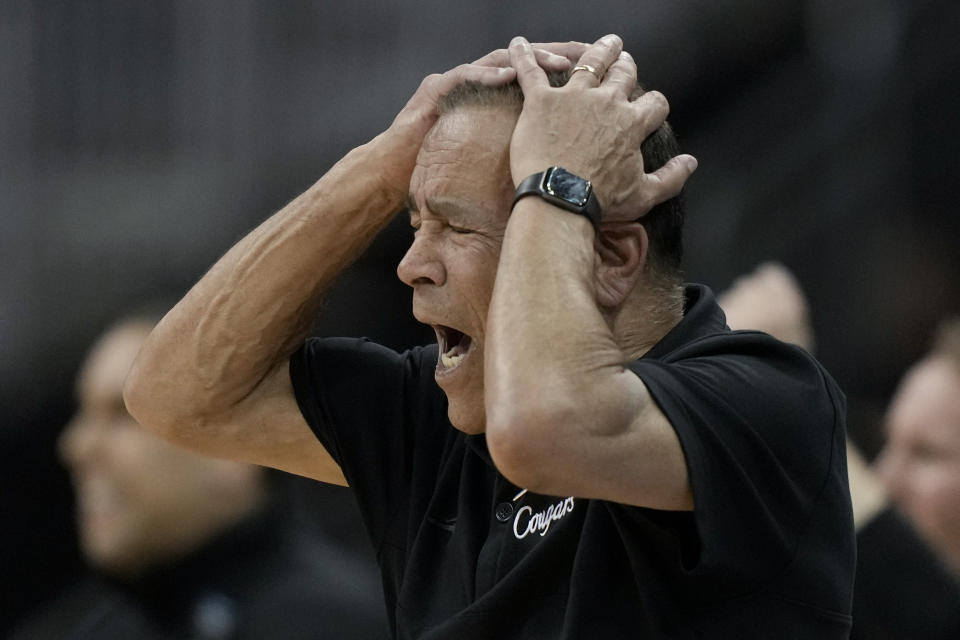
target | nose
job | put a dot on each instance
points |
(421, 264)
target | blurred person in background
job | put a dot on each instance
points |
(920, 462)
(903, 590)
(184, 546)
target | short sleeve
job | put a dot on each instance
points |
(372, 409)
(762, 430)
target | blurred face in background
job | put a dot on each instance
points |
(920, 465)
(141, 501)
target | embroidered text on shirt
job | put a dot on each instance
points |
(541, 520)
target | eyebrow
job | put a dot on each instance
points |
(448, 208)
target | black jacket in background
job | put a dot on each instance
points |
(902, 590)
(260, 580)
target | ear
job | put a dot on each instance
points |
(622, 249)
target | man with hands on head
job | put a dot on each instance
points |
(619, 464)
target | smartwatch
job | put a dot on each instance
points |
(566, 190)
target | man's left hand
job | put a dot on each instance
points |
(591, 127)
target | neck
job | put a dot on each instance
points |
(650, 313)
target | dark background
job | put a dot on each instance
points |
(139, 140)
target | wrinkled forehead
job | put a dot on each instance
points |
(478, 128)
(465, 156)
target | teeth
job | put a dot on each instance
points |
(450, 361)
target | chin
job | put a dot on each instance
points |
(467, 419)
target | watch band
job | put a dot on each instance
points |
(566, 190)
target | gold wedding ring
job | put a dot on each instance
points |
(586, 67)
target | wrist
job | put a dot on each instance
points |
(382, 169)
(563, 189)
(357, 191)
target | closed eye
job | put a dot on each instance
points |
(460, 229)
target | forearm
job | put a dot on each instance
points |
(253, 308)
(550, 345)
(564, 415)
(217, 356)
(553, 367)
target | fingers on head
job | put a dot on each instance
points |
(530, 61)
(571, 50)
(523, 59)
(622, 74)
(669, 179)
(653, 109)
(549, 60)
(601, 55)
(494, 75)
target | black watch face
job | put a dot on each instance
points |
(564, 185)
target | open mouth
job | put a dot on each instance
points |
(454, 346)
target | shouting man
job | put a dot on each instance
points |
(587, 450)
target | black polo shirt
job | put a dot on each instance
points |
(768, 551)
